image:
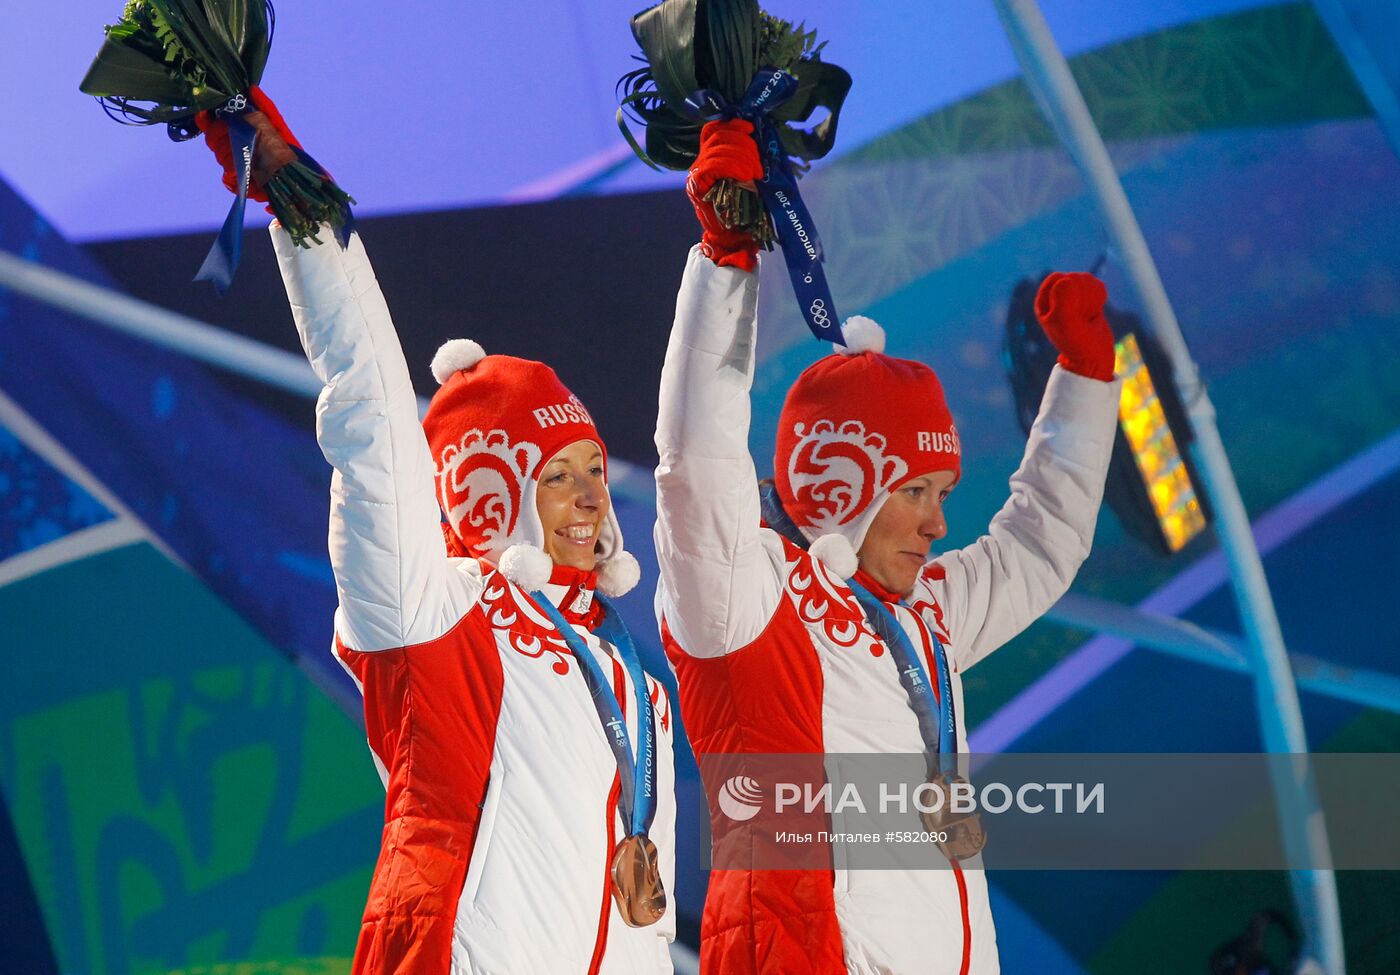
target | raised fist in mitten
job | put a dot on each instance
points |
(273, 150)
(1070, 309)
(727, 151)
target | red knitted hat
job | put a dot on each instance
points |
(493, 424)
(855, 426)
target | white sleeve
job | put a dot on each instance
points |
(720, 571)
(385, 544)
(997, 586)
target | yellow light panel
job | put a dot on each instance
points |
(1158, 459)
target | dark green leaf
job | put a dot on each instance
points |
(666, 34)
(257, 41)
(820, 85)
(120, 70)
(632, 139)
(727, 46)
(673, 146)
(196, 35)
(226, 20)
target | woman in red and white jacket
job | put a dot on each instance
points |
(767, 637)
(503, 823)
(530, 817)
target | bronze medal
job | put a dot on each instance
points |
(636, 882)
(966, 836)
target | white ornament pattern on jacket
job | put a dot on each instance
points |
(823, 600)
(510, 612)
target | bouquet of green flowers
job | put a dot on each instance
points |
(194, 65)
(717, 48)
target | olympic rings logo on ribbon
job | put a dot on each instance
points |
(819, 313)
(236, 105)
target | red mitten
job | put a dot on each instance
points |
(274, 142)
(1070, 309)
(727, 151)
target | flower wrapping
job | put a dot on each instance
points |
(194, 66)
(708, 59)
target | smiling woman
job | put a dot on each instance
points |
(495, 672)
(572, 500)
(524, 751)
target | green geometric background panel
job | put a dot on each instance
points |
(1276, 65)
(183, 794)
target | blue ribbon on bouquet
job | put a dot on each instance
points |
(802, 249)
(221, 264)
(219, 267)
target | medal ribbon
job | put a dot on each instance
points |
(938, 724)
(802, 249)
(637, 801)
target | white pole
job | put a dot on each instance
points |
(1280, 717)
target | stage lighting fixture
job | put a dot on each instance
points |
(1159, 462)
(1152, 485)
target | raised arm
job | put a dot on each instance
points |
(385, 544)
(719, 581)
(994, 588)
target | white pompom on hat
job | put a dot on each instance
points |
(862, 335)
(618, 575)
(527, 566)
(454, 356)
(836, 553)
